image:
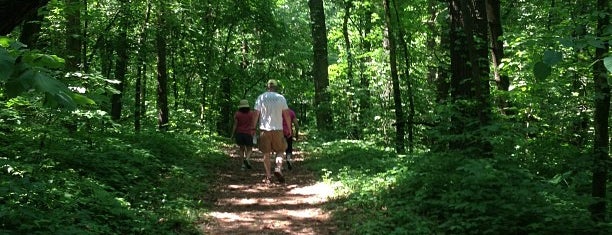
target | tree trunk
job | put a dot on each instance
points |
(162, 72)
(225, 89)
(73, 35)
(13, 12)
(355, 131)
(438, 71)
(31, 29)
(469, 76)
(122, 61)
(601, 156)
(497, 44)
(406, 76)
(390, 39)
(141, 72)
(365, 72)
(322, 99)
(225, 107)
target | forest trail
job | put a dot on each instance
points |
(243, 204)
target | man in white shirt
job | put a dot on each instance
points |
(270, 108)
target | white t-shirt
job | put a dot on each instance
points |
(270, 106)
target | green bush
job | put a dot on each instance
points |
(147, 183)
(382, 193)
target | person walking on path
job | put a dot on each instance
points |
(289, 136)
(242, 129)
(270, 108)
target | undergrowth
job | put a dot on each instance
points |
(146, 183)
(378, 192)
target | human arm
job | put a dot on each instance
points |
(287, 120)
(234, 127)
(255, 120)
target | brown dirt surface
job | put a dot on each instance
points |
(243, 204)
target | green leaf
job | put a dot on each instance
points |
(83, 100)
(608, 63)
(57, 90)
(541, 70)
(5, 42)
(552, 57)
(566, 42)
(44, 60)
(6, 65)
(595, 43)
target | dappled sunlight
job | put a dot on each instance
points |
(245, 205)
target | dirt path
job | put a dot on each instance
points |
(245, 205)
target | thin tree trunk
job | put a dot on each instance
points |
(162, 72)
(497, 52)
(365, 72)
(175, 73)
(122, 62)
(322, 100)
(497, 44)
(390, 38)
(406, 75)
(141, 71)
(73, 35)
(355, 132)
(225, 89)
(438, 72)
(601, 156)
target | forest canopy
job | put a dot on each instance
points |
(437, 117)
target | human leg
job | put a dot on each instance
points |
(245, 142)
(247, 155)
(279, 146)
(289, 152)
(265, 146)
(241, 153)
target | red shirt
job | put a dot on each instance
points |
(244, 122)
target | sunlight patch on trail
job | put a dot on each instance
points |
(321, 189)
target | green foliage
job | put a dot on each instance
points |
(381, 193)
(23, 70)
(608, 63)
(147, 183)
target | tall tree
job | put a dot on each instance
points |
(162, 70)
(497, 45)
(225, 86)
(470, 75)
(141, 71)
(601, 156)
(122, 60)
(391, 38)
(73, 35)
(438, 70)
(364, 71)
(353, 118)
(401, 35)
(322, 99)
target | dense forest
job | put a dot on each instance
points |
(429, 117)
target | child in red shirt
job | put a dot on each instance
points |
(244, 131)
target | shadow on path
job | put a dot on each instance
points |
(245, 205)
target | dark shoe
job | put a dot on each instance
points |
(279, 176)
(266, 180)
(288, 160)
(245, 163)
